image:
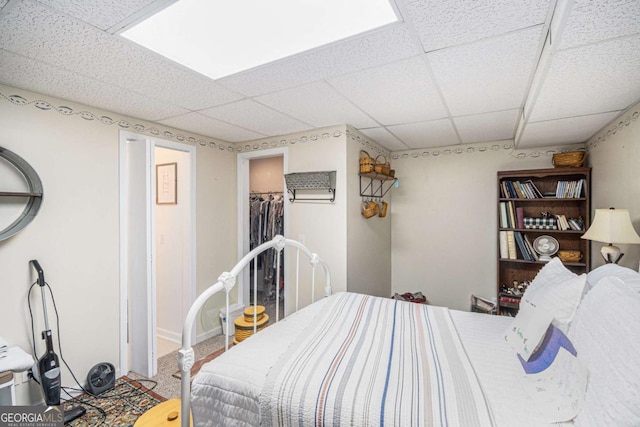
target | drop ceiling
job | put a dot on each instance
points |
(537, 72)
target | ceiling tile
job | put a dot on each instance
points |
(490, 75)
(103, 14)
(396, 93)
(203, 125)
(35, 31)
(564, 131)
(436, 133)
(594, 21)
(256, 117)
(591, 79)
(487, 127)
(36, 76)
(368, 50)
(385, 138)
(317, 104)
(441, 24)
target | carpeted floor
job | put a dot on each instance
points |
(168, 386)
(118, 407)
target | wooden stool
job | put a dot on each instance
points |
(165, 414)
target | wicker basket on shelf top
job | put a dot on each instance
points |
(382, 166)
(567, 159)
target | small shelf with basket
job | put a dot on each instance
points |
(376, 176)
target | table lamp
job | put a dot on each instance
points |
(612, 226)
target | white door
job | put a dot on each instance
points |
(139, 271)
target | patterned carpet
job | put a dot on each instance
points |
(119, 407)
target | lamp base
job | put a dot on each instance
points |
(611, 254)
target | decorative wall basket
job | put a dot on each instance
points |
(366, 162)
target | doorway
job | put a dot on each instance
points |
(260, 175)
(157, 256)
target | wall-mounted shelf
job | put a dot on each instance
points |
(33, 196)
(373, 184)
(311, 183)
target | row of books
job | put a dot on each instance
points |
(516, 245)
(520, 190)
(510, 216)
(528, 190)
(565, 223)
(570, 189)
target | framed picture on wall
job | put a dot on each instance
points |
(167, 184)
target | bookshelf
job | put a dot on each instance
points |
(563, 194)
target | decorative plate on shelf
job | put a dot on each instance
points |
(545, 246)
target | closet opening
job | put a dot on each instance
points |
(262, 214)
(266, 220)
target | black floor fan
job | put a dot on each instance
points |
(48, 364)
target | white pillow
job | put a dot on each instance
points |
(605, 334)
(528, 328)
(558, 290)
(629, 276)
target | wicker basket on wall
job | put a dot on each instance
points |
(366, 162)
(569, 159)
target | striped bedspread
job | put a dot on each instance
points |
(375, 361)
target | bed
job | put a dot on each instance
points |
(351, 359)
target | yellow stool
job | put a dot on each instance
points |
(166, 413)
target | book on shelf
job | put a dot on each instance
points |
(576, 224)
(530, 246)
(504, 221)
(520, 217)
(504, 247)
(511, 245)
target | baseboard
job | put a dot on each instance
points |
(209, 334)
(168, 335)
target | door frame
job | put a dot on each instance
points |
(190, 239)
(243, 178)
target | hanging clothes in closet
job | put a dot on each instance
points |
(265, 222)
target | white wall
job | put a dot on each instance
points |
(75, 235)
(368, 239)
(266, 174)
(172, 289)
(444, 240)
(614, 155)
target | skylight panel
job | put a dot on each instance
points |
(218, 38)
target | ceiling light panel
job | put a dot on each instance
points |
(204, 125)
(256, 117)
(594, 21)
(487, 127)
(436, 133)
(397, 93)
(490, 75)
(441, 24)
(564, 131)
(375, 48)
(317, 104)
(220, 38)
(103, 14)
(591, 79)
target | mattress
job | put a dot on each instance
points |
(227, 390)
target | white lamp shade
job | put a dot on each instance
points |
(612, 226)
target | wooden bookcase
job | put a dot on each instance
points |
(521, 270)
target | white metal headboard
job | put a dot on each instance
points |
(225, 283)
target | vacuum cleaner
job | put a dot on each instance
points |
(48, 364)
